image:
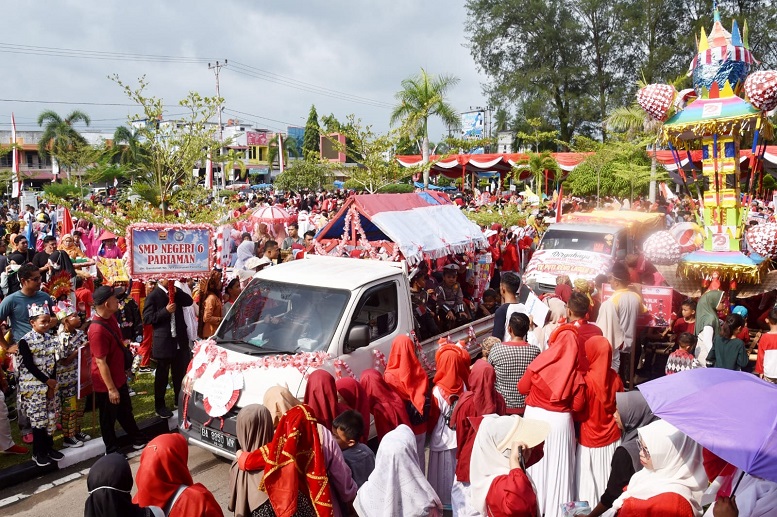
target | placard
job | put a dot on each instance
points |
(84, 371)
(656, 299)
(160, 251)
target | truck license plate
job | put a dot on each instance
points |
(219, 439)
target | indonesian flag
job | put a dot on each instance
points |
(558, 203)
(17, 183)
(208, 173)
(280, 151)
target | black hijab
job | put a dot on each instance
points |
(109, 484)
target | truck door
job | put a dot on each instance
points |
(378, 310)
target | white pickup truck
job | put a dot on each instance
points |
(337, 314)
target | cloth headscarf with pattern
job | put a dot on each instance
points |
(294, 461)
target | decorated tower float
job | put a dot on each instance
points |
(726, 108)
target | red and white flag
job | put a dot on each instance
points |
(558, 203)
(208, 173)
(280, 151)
(17, 183)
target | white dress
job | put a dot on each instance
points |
(442, 453)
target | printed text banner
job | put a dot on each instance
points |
(163, 251)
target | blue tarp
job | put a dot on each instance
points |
(418, 184)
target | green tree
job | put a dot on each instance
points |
(536, 136)
(312, 136)
(289, 149)
(59, 135)
(538, 164)
(309, 173)
(531, 53)
(376, 167)
(175, 147)
(421, 97)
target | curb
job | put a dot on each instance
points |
(29, 470)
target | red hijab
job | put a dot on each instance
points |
(294, 461)
(555, 369)
(386, 406)
(163, 468)
(449, 376)
(600, 376)
(405, 374)
(356, 398)
(482, 399)
(321, 396)
(563, 291)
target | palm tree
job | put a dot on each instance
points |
(538, 164)
(128, 146)
(635, 122)
(59, 134)
(290, 148)
(421, 97)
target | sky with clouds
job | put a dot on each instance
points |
(344, 56)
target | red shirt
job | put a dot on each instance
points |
(680, 326)
(536, 397)
(659, 505)
(510, 258)
(767, 342)
(103, 344)
(598, 427)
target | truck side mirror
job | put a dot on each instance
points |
(358, 337)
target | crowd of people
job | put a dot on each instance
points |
(539, 422)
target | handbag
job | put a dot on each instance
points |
(125, 351)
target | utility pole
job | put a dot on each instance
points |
(216, 69)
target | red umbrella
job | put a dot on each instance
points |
(272, 215)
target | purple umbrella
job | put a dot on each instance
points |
(733, 414)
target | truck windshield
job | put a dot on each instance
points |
(275, 317)
(565, 240)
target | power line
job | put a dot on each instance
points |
(289, 84)
(12, 48)
(241, 68)
(259, 116)
(273, 77)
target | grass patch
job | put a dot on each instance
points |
(142, 408)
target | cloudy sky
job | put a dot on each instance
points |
(344, 56)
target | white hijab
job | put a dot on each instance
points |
(488, 460)
(397, 486)
(244, 252)
(677, 467)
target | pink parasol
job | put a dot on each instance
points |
(272, 215)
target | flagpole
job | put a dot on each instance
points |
(280, 152)
(17, 191)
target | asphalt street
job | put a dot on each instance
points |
(63, 493)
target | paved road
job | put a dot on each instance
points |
(63, 493)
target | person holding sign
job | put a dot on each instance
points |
(171, 340)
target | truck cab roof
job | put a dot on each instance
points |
(322, 271)
(586, 228)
